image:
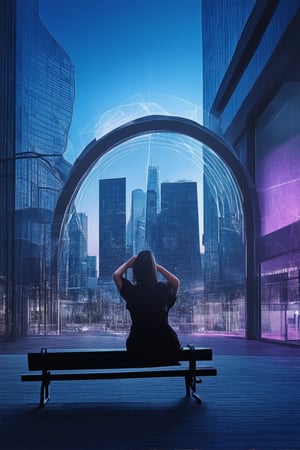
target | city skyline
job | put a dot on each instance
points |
(86, 203)
(148, 77)
(164, 220)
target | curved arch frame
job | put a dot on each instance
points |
(178, 125)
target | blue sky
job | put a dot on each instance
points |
(125, 50)
(132, 58)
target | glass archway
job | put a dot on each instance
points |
(219, 181)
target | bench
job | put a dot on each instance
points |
(111, 364)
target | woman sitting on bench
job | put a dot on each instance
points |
(148, 301)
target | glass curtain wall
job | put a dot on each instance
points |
(278, 184)
(37, 96)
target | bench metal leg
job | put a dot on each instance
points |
(191, 380)
(44, 392)
(187, 385)
(190, 387)
(193, 388)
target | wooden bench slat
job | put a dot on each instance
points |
(116, 364)
(203, 371)
(108, 359)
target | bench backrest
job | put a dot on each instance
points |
(109, 359)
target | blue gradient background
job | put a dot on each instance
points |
(124, 52)
(132, 58)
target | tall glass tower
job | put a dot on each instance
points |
(251, 89)
(137, 222)
(77, 267)
(177, 239)
(112, 226)
(153, 183)
(152, 206)
(37, 95)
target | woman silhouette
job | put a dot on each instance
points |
(148, 301)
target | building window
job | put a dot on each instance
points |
(278, 187)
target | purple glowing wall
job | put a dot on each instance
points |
(278, 184)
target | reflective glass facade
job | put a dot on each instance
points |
(278, 176)
(193, 214)
(42, 86)
(112, 226)
(254, 101)
(7, 165)
(225, 251)
(137, 224)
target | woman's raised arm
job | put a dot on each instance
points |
(119, 272)
(172, 279)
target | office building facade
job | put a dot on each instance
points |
(152, 206)
(37, 85)
(251, 81)
(77, 249)
(177, 233)
(112, 226)
(137, 221)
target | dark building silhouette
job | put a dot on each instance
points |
(112, 226)
(151, 220)
(177, 233)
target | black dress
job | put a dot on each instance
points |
(150, 333)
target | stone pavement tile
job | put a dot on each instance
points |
(252, 404)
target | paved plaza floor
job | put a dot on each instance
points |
(253, 403)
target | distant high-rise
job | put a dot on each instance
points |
(137, 220)
(153, 183)
(77, 273)
(112, 225)
(177, 238)
(91, 266)
(152, 206)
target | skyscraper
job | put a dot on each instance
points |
(152, 206)
(251, 81)
(177, 237)
(37, 95)
(112, 225)
(153, 183)
(137, 220)
(77, 270)
(224, 258)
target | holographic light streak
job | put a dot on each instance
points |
(136, 106)
(178, 158)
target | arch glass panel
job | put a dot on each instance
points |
(169, 193)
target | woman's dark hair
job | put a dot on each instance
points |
(144, 268)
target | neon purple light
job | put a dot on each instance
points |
(278, 184)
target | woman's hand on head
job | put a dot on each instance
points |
(170, 277)
(119, 272)
(130, 262)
